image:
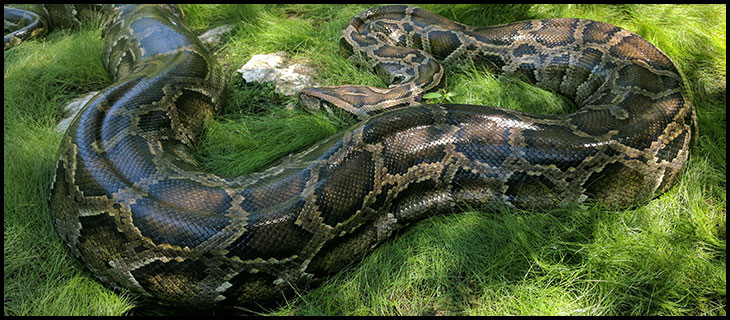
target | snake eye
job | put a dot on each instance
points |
(312, 102)
(308, 101)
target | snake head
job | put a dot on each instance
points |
(313, 99)
(332, 98)
(360, 101)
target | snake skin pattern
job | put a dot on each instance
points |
(131, 204)
(20, 25)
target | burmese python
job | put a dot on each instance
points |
(130, 203)
(21, 25)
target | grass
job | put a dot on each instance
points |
(664, 258)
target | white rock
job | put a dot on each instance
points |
(289, 78)
(293, 79)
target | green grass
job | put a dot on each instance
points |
(663, 258)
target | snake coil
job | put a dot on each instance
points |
(130, 203)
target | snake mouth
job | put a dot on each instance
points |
(313, 100)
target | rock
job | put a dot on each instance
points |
(289, 78)
(262, 67)
(72, 109)
(212, 37)
(295, 78)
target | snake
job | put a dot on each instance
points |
(21, 25)
(130, 202)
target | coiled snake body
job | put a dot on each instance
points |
(131, 204)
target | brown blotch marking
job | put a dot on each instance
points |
(599, 32)
(345, 186)
(275, 193)
(636, 75)
(555, 32)
(411, 147)
(273, 235)
(615, 186)
(635, 47)
(443, 43)
(341, 251)
(502, 34)
(173, 280)
(671, 150)
(531, 191)
(100, 241)
(252, 290)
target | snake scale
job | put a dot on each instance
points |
(131, 204)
